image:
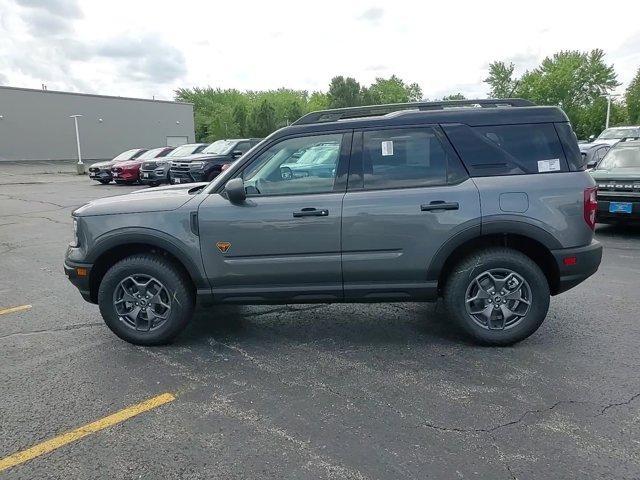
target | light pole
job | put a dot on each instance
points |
(609, 108)
(79, 165)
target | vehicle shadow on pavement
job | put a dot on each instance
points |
(368, 324)
(618, 231)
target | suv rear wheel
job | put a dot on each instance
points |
(498, 296)
(145, 299)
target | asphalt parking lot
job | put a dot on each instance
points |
(344, 391)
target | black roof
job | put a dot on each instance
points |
(470, 112)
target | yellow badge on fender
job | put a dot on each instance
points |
(223, 246)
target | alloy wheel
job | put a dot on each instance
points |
(142, 302)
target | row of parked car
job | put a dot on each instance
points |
(193, 162)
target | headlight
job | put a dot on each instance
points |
(76, 241)
(199, 165)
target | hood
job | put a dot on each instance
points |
(605, 141)
(148, 200)
(201, 156)
(106, 163)
(127, 163)
(616, 174)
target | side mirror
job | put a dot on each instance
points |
(592, 138)
(235, 190)
(592, 165)
(236, 154)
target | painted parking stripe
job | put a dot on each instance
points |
(81, 432)
(20, 308)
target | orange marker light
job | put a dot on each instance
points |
(82, 272)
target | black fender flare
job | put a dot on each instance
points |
(155, 238)
(515, 226)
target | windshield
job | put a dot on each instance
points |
(153, 153)
(127, 155)
(221, 147)
(319, 155)
(183, 151)
(621, 157)
(617, 133)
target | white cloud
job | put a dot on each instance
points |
(146, 48)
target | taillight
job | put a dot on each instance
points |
(590, 206)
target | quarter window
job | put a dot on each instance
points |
(300, 165)
(400, 158)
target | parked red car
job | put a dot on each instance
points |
(128, 172)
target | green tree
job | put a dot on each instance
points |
(262, 120)
(573, 80)
(391, 90)
(344, 92)
(455, 96)
(632, 99)
(501, 80)
(318, 101)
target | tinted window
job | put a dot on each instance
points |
(508, 149)
(242, 147)
(403, 158)
(295, 166)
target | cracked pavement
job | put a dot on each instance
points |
(380, 391)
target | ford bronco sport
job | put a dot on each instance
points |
(485, 203)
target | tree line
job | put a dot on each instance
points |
(576, 81)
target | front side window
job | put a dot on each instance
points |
(405, 157)
(294, 166)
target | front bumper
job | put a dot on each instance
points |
(189, 176)
(102, 175)
(575, 265)
(126, 176)
(157, 175)
(81, 282)
(603, 215)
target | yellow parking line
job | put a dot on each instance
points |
(73, 435)
(14, 309)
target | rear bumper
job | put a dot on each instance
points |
(80, 282)
(575, 265)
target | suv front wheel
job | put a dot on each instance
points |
(498, 296)
(145, 299)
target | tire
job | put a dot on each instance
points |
(469, 281)
(176, 292)
(104, 182)
(120, 182)
(154, 184)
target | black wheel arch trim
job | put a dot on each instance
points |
(491, 227)
(156, 238)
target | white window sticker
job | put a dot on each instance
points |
(552, 165)
(387, 148)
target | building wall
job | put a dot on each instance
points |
(35, 124)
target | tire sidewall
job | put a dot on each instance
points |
(181, 298)
(469, 269)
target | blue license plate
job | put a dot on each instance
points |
(620, 207)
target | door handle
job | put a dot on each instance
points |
(311, 212)
(439, 205)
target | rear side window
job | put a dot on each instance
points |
(508, 149)
(404, 157)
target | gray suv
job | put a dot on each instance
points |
(484, 203)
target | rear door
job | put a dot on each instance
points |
(408, 194)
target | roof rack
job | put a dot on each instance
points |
(379, 110)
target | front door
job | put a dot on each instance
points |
(408, 195)
(283, 242)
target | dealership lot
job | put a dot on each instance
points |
(306, 391)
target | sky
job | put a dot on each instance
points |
(140, 48)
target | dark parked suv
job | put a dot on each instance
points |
(618, 178)
(156, 171)
(206, 165)
(487, 206)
